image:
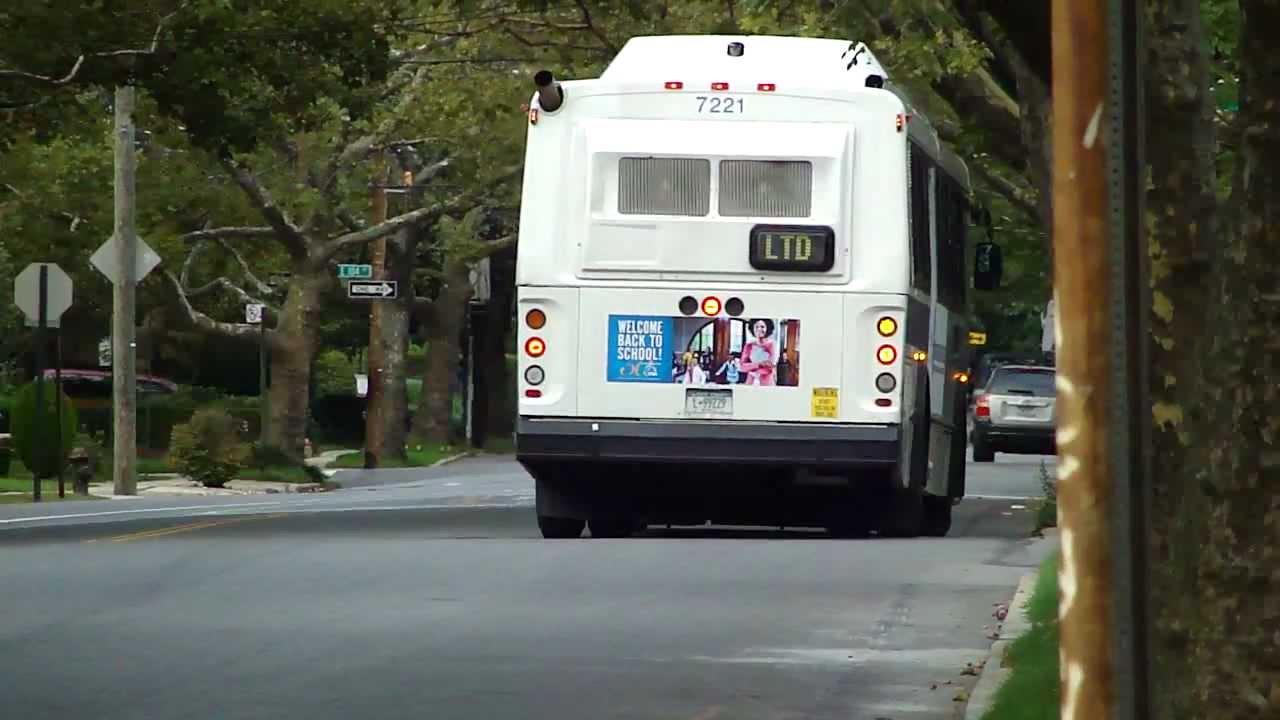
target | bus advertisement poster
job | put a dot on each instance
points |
(704, 351)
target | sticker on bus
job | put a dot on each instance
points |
(704, 351)
(826, 402)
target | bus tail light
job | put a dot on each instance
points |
(535, 319)
(886, 354)
(673, 85)
(885, 382)
(982, 406)
(887, 326)
(534, 347)
(533, 393)
(711, 306)
(719, 86)
(884, 402)
(534, 375)
(766, 87)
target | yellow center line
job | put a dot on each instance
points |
(188, 527)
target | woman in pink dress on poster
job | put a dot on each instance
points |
(760, 353)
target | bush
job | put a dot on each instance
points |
(335, 374)
(37, 446)
(208, 449)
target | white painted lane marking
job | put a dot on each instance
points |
(176, 508)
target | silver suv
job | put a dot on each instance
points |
(1015, 412)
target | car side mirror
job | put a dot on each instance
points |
(988, 266)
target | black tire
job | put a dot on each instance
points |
(905, 506)
(611, 526)
(982, 450)
(937, 515)
(554, 528)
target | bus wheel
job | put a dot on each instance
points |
(554, 528)
(937, 515)
(905, 517)
(611, 526)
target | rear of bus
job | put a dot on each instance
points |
(712, 273)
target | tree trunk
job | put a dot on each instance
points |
(1179, 218)
(293, 348)
(386, 425)
(1236, 651)
(435, 407)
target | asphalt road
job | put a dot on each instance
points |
(428, 594)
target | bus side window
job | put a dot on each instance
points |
(951, 242)
(919, 207)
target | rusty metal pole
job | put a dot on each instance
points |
(376, 406)
(1082, 292)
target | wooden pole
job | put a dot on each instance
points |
(123, 309)
(377, 402)
(1081, 278)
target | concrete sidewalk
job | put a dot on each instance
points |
(171, 485)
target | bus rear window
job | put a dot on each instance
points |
(766, 188)
(664, 186)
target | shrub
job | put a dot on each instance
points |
(335, 374)
(208, 448)
(37, 446)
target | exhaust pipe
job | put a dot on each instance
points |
(550, 94)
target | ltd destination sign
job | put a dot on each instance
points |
(372, 290)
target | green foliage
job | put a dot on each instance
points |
(208, 449)
(35, 443)
(335, 374)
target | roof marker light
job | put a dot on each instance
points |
(719, 86)
(673, 85)
(766, 87)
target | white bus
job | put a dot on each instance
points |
(741, 294)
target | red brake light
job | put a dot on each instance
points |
(535, 347)
(711, 306)
(886, 354)
(982, 406)
(533, 393)
(719, 86)
(766, 87)
(673, 85)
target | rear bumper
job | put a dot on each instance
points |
(989, 432)
(784, 444)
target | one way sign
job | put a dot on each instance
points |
(372, 289)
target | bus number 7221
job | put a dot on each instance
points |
(719, 105)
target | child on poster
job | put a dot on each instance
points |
(760, 353)
(693, 373)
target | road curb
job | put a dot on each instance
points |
(451, 459)
(994, 672)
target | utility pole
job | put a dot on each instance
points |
(123, 310)
(376, 401)
(1129, 422)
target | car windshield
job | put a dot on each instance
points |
(1039, 383)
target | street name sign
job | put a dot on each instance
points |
(26, 293)
(355, 272)
(372, 290)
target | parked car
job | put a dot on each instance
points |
(1015, 412)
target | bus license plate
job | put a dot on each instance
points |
(708, 402)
